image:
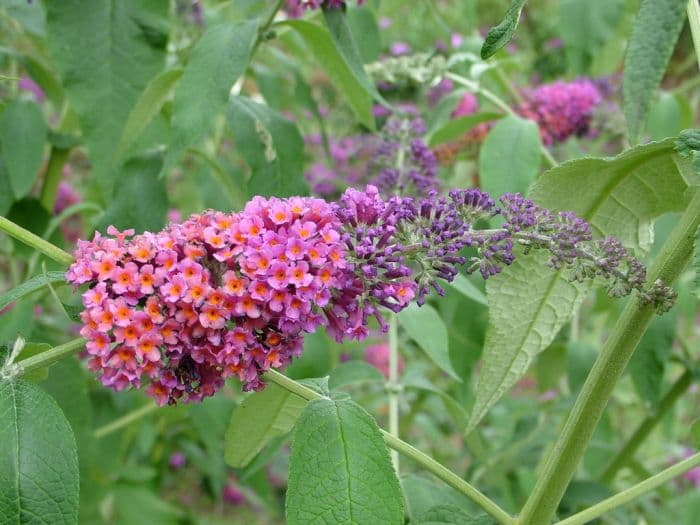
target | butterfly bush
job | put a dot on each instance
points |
(231, 294)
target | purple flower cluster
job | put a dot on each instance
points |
(561, 109)
(404, 162)
(398, 163)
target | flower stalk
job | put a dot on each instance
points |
(36, 242)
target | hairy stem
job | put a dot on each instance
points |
(393, 386)
(499, 103)
(564, 457)
(36, 242)
(638, 437)
(409, 451)
(49, 357)
(632, 493)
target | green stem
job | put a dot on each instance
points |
(393, 386)
(36, 242)
(49, 357)
(267, 23)
(632, 493)
(439, 470)
(125, 420)
(499, 103)
(694, 20)
(564, 457)
(638, 437)
(54, 172)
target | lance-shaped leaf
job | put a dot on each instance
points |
(39, 460)
(340, 472)
(424, 325)
(32, 285)
(654, 35)
(259, 418)
(271, 145)
(106, 52)
(499, 36)
(22, 136)
(218, 59)
(147, 106)
(529, 302)
(341, 75)
(455, 128)
(501, 173)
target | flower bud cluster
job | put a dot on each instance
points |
(419, 68)
(404, 162)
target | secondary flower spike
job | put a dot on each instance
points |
(231, 294)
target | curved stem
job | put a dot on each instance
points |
(437, 469)
(499, 103)
(638, 437)
(564, 457)
(36, 242)
(632, 493)
(125, 420)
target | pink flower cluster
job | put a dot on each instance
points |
(561, 109)
(217, 296)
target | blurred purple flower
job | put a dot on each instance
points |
(27, 84)
(232, 495)
(177, 460)
(384, 22)
(400, 48)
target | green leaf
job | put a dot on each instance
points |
(688, 147)
(22, 137)
(218, 59)
(67, 385)
(339, 469)
(271, 145)
(147, 106)
(354, 372)
(455, 128)
(648, 363)
(343, 78)
(364, 26)
(654, 36)
(697, 263)
(585, 28)
(529, 302)
(499, 36)
(138, 183)
(261, 417)
(424, 325)
(463, 285)
(29, 14)
(452, 515)
(664, 117)
(106, 51)
(39, 462)
(139, 505)
(32, 285)
(510, 157)
(344, 41)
